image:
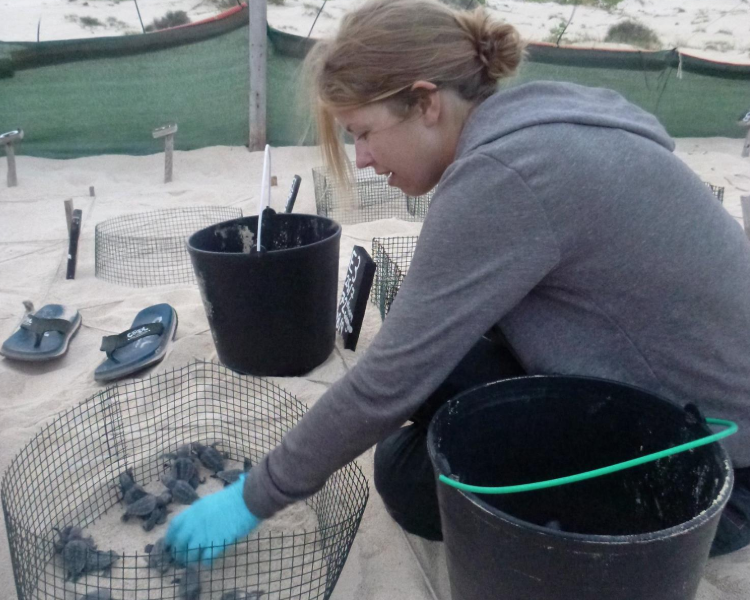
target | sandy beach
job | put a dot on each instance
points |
(715, 30)
(382, 564)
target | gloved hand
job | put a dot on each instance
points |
(211, 522)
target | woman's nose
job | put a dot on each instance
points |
(364, 158)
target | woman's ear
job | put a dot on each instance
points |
(429, 101)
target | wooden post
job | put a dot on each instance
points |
(745, 201)
(167, 132)
(746, 147)
(258, 52)
(69, 212)
(7, 140)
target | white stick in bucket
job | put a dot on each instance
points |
(265, 189)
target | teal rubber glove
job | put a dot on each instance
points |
(210, 524)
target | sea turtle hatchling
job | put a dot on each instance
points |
(182, 491)
(159, 556)
(74, 555)
(209, 456)
(186, 470)
(232, 475)
(190, 583)
(236, 594)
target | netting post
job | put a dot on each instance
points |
(258, 54)
(167, 132)
(746, 146)
(745, 201)
(7, 140)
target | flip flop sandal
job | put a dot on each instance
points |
(43, 335)
(143, 345)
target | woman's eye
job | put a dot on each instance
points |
(363, 136)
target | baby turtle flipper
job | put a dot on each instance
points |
(157, 517)
(142, 507)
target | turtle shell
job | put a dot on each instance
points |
(74, 558)
(96, 560)
(135, 493)
(183, 492)
(141, 508)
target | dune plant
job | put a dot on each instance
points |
(173, 18)
(633, 33)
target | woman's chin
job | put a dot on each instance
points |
(410, 189)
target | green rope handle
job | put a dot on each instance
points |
(731, 429)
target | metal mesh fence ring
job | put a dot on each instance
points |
(68, 475)
(369, 199)
(718, 191)
(392, 255)
(148, 249)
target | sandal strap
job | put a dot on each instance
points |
(110, 343)
(41, 325)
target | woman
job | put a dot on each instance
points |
(562, 221)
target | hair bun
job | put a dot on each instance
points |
(498, 45)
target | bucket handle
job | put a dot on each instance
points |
(731, 429)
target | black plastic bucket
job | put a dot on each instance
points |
(643, 533)
(273, 312)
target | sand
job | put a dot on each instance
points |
(255, 564)
(715, 30)
(382, 563)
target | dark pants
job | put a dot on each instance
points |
(405, 480)
(403, 472)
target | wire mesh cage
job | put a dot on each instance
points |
(148, 249)
(68, 475)
(370, 199)
(392, 255)
(718, 191)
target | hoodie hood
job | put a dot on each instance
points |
(546, 102)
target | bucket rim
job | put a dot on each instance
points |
(717, 505)
(193, 249)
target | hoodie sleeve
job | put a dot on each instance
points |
(484, 245)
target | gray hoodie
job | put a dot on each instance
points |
(566, 220)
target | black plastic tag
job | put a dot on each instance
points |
(353, 303)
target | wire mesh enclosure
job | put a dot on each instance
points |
(718, 191)
(370, 199)
(68, 475)
(148, 249)
(392, 255)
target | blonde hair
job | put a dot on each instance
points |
(385, 46)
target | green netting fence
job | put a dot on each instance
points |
(104, 95)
